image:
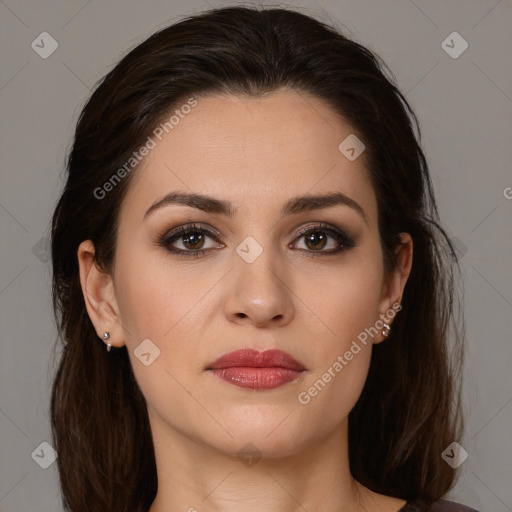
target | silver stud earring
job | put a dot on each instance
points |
(386, 330)
(106, 336)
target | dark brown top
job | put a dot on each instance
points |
(436, 506)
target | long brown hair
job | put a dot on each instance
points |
(409, 410)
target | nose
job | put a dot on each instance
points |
(260, 293)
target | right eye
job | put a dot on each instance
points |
(192, 239)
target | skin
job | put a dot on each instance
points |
(257, 154)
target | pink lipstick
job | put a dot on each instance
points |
(249, 368)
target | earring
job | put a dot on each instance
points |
(106, 336)
(386, 330)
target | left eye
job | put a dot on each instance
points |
(316, 239)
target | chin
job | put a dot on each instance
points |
(269, 433)
(256, 445)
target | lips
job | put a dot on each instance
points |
(249, 368)
(249, 357)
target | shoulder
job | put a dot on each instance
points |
(441, 505)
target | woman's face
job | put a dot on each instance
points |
(259, 284)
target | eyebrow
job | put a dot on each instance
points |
(295, 205)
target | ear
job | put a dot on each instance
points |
(98, 291)
(394, 283)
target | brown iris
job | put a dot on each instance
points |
(193, 239)
(317, 239)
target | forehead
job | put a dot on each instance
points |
(255, 152)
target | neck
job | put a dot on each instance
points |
(193, 476)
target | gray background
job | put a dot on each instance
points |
(465, 109)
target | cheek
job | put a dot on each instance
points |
(346, 308)
(153, 299)
(156, 304)
(333, 390)
(161, 302)
(343, 299)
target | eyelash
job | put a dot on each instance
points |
(339, 236)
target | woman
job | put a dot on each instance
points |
(252, 287)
